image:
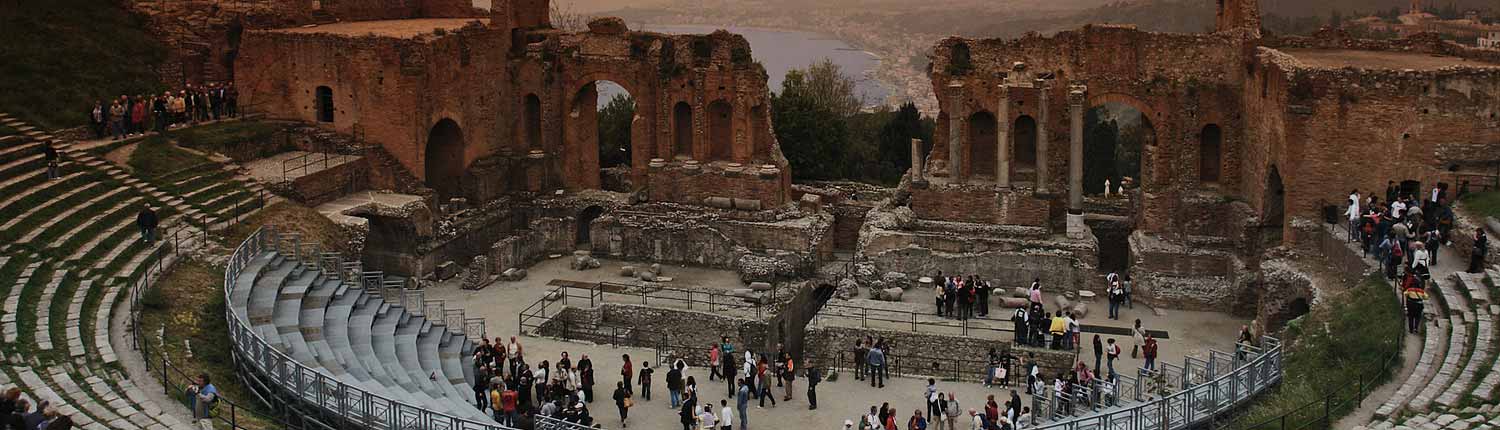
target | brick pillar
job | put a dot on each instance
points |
(955, 132)
(1002, 133)
(916, 160)
(1075, 162)
(1041, 137)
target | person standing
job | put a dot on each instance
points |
(1414, 300)
(1098, 352)
(954, 411)
(99, 119)
(862, 348)
(645, 380)
(713, 362)
(939, 294)
(1149, 351)
(1114, 353)
(508, 400)
(627, 373)
(742, 401)
(876, 358)
(586, 378)
(726, 416)
(524, 381)
(916, 422)
(726, 350)
(1138, 334)
(789, 373)
(117, 120)
(688, 414)
(707, 420)
(50, 155)
(814, 376)
(1481, 248)
(674, 385)
(622, 402)
(138, 115)
(984, 298)
(1018, 320)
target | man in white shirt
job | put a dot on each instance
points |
(726, 422)
(1397, 208)
(1353, 214)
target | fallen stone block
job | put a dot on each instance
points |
(656, 268)
(446, 270)
(646, 275)
(719, 202)
(627, 271)
(1014, 302)
(1080, 310)
(891, 294)
(1021, 292)
(760, 286)
(1062, 302)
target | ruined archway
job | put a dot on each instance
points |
(1210, 154)
(1023, 150)
(582, 238)
(533, 122)
(601, 134)
(1114, 135)
(720, 131)
(981, 144)
(682, 130)
(444, 156)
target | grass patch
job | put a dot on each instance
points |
(42, 215)
(31, 295)
(241, 141)
(1329, 351)
(291, 217)
(189, 303)
(62, 55)
(1483, 204)
(156, 156)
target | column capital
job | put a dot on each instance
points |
(1077, 94)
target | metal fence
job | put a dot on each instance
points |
(351, 405)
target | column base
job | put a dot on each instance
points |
(1076, 228)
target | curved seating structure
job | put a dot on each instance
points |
(348, 343)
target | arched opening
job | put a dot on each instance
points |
(586, 218)
(1023, 150)
(1274, 212)
(445, 159)
(1113, 135)
(1210, 154)
(533, 118)
(981, 144)
(324, 104)
(720, 131)
(1293, 310)
(603, 115)
(682, 130)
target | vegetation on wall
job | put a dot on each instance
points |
(825, 135)
(614, 131)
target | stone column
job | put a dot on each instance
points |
(955, 132)
(916, 160)
(1041, 137)
(1002, 133)
(1075, 162)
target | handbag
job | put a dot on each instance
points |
(629, 403)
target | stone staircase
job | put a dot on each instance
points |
(361, 328)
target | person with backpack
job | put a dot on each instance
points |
(203, 398)
(674, 385)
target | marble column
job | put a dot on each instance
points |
(916, 160)
(955, 132)
(1041, 137)
(1076, 227)
(1002, 133)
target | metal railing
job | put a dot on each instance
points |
(1208, 389)
(352, 405)
(301, 163)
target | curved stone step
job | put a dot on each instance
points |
(102, 216)
(262, 300)
(43, 311)
(1457, 343)
(102, 344)
(404, 344)
(71, 328)
(428, 341)
(1472, 284)
(39, 389)
(286, 313)
(60, 199)
(22, 164)
(311, 325)
(1434, 346)
(362, 325)
(335, 329)
(383, 340)
(9, 320)
(37, 231)
(16, 152)
(98, 240)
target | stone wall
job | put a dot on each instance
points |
(650, 327)
(917, 353)
(979, 204)
(327, 184)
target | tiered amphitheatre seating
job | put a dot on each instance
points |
(338, 323)
(69, 249)
(1482, 348)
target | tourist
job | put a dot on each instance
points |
(99, 119)
(645, 380)
(953, 410)
(888, 416)
(1098, 351)
(991, 409)
(992, 368)
(202, 397)
(1025, 419)
(1113, 353)
(1059, 330)
(508, 400)
(727, 350)
(513, 352)
(117, 120)
(1019, 321)
(674, 386)
(1139, 335)
(481, 388)
(789, 374)
(976, 420)
(1149, 351)
(49, 154)
(1075, 332)
(1125, 285)
(524, 381)
(984, 289)
(690, 385)
(497, 402)
(1035, 294)
(138, 115)
(585, 378)
(627, 373)
(876, 358)
(814, 376)
(965, 298)
(1414, 296)
(622, 402)
(707, 420)
(543, 369)
(726, 419)
(940, 294)
(871, 421)
(742, 400)
(933, 398)
(1245, 342)
(1481, 248)
(916, 422)
(950, 296)
(713, 362)
(1014, 404)
(764, 381)
(862, 347)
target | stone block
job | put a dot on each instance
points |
(1062, 302)
(746, 204)
(646, 275)
(607, 25)
(891, 294)
(584, 262)
(719, 202)
(627, 271)
(656, 268)
(760, 286)
(1014, 302)
(1080, 310)
(810, 203)
(513, 274)
(1021, 292)
(446, 270)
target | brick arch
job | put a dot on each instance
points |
(580, 153)
(1147, 109)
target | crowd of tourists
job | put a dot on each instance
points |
(1404, 233)
(18, 413)
(129, 116)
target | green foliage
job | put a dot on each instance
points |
(61, 55)
(158, 156)
(240, 140)
(812, 137)
(153, 299)
(1111, 147)
(895, 141)
(1338, 353)
(614, 131)
(824, 135)
(826, 84)
(1483, 204)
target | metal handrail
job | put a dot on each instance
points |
(328, 394)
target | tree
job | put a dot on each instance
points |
(812, 137)
(614, 131)
(895, 140)
(824, 84)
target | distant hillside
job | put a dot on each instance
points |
(1323, 8)
(60, 55)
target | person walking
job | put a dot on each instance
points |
(645, 380)
(742, 401)
(688, 414)
(1138, 334)
(146, 220)
(1114, 353)
(622, 402)
(713, 362)
(876, 358)
(50, 155)
(762, 376)
(1481, 249)
(954, 411)
(1414, 299)
(814, 376)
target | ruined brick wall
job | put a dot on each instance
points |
(979, 204)
(1347, 129)
(1337, 38)
(1181, 83)
(368, 10)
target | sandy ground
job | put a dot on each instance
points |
(501, 303)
